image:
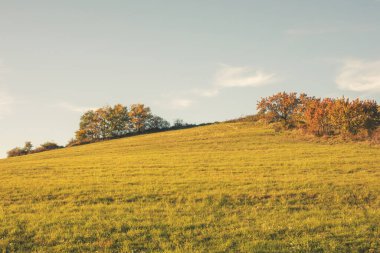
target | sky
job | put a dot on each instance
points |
(199, 60)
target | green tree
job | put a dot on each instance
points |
(156, 123)
(28, 147)
(103, 123)
(88, 130)
(118, 119)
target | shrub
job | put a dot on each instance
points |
(375, 136)
(46, 147)
(277, 126)
(50, 145)
(27, 149)
(16, 152)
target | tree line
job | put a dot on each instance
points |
(327, 116)
(321, 117)
(28, 149)
(117, 121)
(108, 122)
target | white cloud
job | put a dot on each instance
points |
(225, 77)
(212, 92)
(181, 103)
(359, 75)
(228, 76)
(236, 77)
(74, 108)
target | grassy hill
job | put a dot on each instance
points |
(225, 187)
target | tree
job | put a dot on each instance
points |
(112, 122)
(103, 123)
(178, 123)
(28, 147)
(304, 103)
(349, 117)
(87, 127)
(138, 115)
(372, 116)
(279, 108)
(156, 123)
(118, 121)
(322, 116)
(315, 116)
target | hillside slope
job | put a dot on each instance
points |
(226, 187)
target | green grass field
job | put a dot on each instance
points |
(230, 187)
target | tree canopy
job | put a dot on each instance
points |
(319, 116)
(117, 121)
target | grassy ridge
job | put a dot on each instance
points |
(226, 187)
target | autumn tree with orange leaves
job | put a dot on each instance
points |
(279, 108)
(139, 115)
(321, 116)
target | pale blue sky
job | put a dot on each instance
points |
(201, 61)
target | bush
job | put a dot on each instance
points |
(50, 145)
(375, 136)
(16, 152)
(361, 135)
(74, 142)
(38, 150)
(277, 127)
(27, 149)
(46, 147)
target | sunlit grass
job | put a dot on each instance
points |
(226, 187)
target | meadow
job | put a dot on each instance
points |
(228, 187)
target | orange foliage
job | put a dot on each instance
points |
(322, 116)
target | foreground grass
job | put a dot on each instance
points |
(227, 187)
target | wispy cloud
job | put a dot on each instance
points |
(236, 77)
(181, 103)
(359, 75)
(211, 92)
(74, 108)
(229, 76)
(225, 77)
